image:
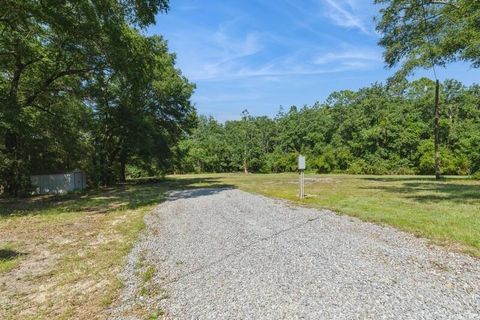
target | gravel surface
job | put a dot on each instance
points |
(228, 254)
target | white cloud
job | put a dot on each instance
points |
(344, 17)
(249, 44)
(349, 56)
(236, 49)
(228, 53)
(273, 73)
(237, 64)
(207, 53)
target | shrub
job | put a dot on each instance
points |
(476, 175)
(17, 173)
(134, 172)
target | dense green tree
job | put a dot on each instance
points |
(419, 33)
(81, 86)
(427, 33)
(205, 150)
(140, 117)
(375, 130)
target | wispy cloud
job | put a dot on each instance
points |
(275, 72)
(239, 65)
(227, 53)
(350, 55)
(341, 14)
(240, 47)
(303, 61)
(262, 54)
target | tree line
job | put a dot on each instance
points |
(375, 130)
(83, 87)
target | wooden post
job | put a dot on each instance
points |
(437, 131)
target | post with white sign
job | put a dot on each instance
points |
(301, 170)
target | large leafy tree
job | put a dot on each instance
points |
(427, 33)
(140, 113)
(422, 33)
(48, 51)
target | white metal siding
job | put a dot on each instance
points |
(59, 183)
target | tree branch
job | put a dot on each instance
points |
(44, 109)
(444, 2)
(19, 67)
(49, 81)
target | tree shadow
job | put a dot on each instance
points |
(131, 195)
(195, 193)
(434, 191)
(9, 254)
(409, 178)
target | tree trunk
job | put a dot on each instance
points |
(13, 174)
(437, 131)
(11, 142)
(122, 171)
(245, 168)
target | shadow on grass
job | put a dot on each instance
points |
(410, 178)
(9, 254)
(433, 191)
(131, 195)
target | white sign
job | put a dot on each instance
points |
(301, 163)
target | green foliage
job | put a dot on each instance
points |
(419, 34)
(81, 87)
(476, 175)
(154, 109)
(134, 172)
(12, 176)
(9, 258)
(376, 130)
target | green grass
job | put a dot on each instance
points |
(446, 212)
(9, 258)
(148, 274)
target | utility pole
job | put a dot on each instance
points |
(437, 130)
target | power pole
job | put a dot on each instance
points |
(437, 131)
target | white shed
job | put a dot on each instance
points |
(59, 183)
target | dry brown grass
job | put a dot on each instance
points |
(63, 254)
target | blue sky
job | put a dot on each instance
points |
(263, 54)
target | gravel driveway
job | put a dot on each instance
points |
(228, 254)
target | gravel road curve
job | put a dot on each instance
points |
(228, 254)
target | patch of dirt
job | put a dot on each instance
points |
(20, 287)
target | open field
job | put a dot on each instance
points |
(60, 256)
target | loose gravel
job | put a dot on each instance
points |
(228, 254)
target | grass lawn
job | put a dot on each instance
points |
(60, 256)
